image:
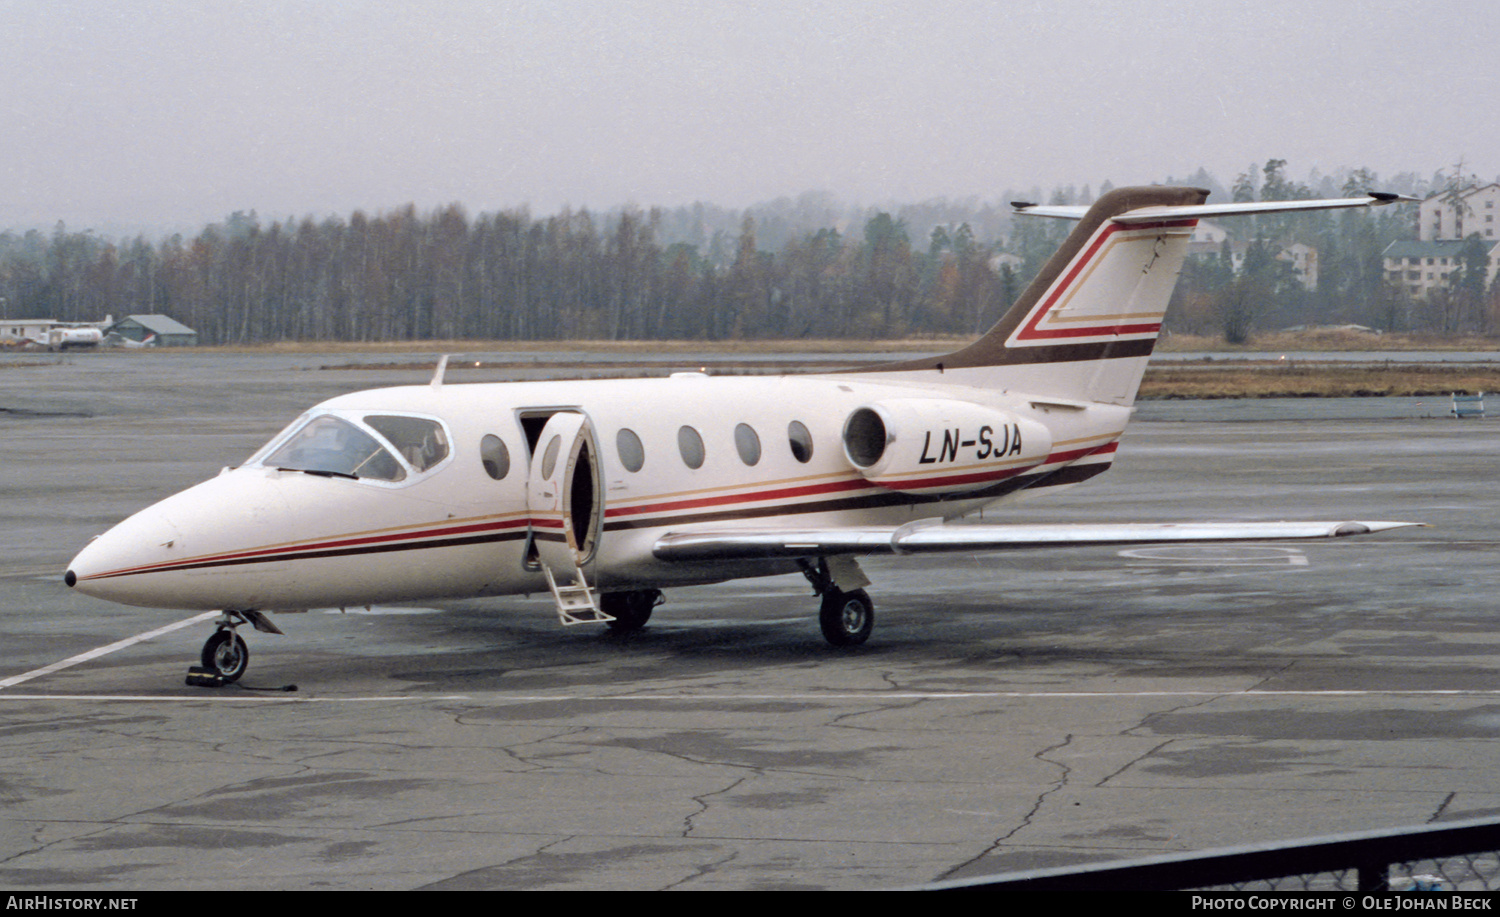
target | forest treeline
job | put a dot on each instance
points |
(795, 268)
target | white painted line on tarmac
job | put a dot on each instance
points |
(980, 695)
(270, 696)
(104, 650)
(223, 695)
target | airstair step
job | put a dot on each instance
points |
(576, 602)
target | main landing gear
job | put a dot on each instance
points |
(847, 616)
(630, 610)
(225, 655)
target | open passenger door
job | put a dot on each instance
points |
(564, 502)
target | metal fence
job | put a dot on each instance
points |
(1453, 856)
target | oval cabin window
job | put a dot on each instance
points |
(690, 444)
(495, 456)
(747, 443)
(549, 456)
(632, 453)
(800, 441)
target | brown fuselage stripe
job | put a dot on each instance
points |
(316, 554)
(347, 547)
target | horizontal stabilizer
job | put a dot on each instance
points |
(921, 538)
(1207, 211)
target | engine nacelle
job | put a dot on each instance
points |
(921, 445)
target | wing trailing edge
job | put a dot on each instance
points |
(924, 538)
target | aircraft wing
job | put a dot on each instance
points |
(927, 537)
(1204, 211)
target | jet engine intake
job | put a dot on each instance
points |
(921, 445)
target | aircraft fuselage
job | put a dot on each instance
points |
(767, 451)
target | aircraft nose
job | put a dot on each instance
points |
(157, 557)
(105, 567)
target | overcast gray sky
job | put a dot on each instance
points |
(169, 111)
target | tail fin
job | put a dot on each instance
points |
(1085, 327)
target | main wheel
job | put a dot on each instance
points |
(226, 655)
(846, 617)
(630, 610)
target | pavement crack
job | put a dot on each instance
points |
(41, 847)
(483, 877)
(841, 719)
(704, 869)
(704, 804)
(1437, 815)
(1145, 721)
(1065, 772)
(1278, 673)
(1133, 762)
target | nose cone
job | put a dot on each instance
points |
(113, 566)
(159, 557)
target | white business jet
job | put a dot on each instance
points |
(116, 339)
(603, 493)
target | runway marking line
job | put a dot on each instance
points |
(576, 698)
(103, 650)
(869, 696)
(229, 698)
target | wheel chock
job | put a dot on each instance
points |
(199, 677)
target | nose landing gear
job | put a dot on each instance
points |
(225, 656)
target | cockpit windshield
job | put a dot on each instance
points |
(330, 445)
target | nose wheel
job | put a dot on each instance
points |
(226, 655)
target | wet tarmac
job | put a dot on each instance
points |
(1010, 711)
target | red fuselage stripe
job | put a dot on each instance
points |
(280, 552)
(458, 535)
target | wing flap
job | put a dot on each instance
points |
(923, 538)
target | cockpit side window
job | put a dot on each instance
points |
(420, 441)
(331, 445)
